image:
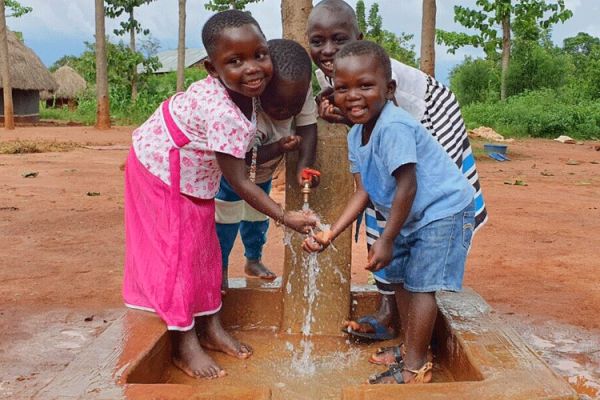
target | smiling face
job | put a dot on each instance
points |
(241, 61)
(361, 88)
(328, 31)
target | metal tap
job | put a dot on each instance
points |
(307, 175)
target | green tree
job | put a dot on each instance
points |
(16, 9)
(584, 50)
(222, 5)
(531, 18)
(360, 16)
(114, 9)
(397, 46)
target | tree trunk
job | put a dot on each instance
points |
(294, 16)
(428, 37)
(103, 104)
(181, 48)
(9, 121)
(134, 91)
(505, 55)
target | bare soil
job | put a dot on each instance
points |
(535, 262)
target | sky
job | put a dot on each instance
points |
(60, 27)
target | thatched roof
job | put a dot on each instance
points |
(27, 72)
(70, 84)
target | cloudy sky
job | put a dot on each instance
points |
(59, 27)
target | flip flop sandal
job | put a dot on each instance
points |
(395, 372)
(381, 332)
(397, 351)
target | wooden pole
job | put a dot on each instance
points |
(9, 121)
(103, 102)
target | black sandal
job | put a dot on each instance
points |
(395, 371)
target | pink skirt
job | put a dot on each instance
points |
(172, 257)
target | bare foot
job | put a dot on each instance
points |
(213, 336)
(258, 269)
(189, 356)
(358, 327)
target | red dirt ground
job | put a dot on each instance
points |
(535, 262)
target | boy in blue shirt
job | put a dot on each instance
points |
(331, 25)
(427, 202)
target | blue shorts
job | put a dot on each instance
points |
(432, 258)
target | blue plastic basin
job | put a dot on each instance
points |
(495, 148)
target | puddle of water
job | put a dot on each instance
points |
(571, 351)
(336, 363)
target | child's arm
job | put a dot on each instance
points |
(276, 149)
(356, 205)
(307, 151)
(380, 254)
(234, 171)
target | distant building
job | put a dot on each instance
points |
(28, 76)
(70, 86)
(168, 60)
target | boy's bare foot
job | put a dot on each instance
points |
(258, 269)
(213, 336)
(189, 356)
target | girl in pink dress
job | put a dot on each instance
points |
(173, 261)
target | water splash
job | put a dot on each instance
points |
(303, 362)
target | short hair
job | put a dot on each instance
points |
(366, 47)
(339, 7)
(290, 60)
(219, 22)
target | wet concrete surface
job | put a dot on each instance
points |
(570, 350)
(36, 346)
(278, 364)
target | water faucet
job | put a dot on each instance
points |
(307, 175)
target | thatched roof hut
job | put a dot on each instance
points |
(28, 76)
(70, 85)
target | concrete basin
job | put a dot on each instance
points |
(477, 357)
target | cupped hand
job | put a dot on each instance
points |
(317, 242)
(289, 143)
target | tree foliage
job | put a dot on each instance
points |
(121, 62)
(398, 47)
(530, 19)
(115, 8)
(16, 9)
(222, 5)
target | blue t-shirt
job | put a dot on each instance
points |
(398, 139)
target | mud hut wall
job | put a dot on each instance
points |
(26, 104)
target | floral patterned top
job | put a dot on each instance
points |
(212, 121)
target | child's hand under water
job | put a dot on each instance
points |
(317, 242)
(300, 221)
(289, 143)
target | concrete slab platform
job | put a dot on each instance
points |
(477, 357)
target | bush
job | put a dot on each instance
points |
(122, 110)
(475, 81)
(541, 113)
